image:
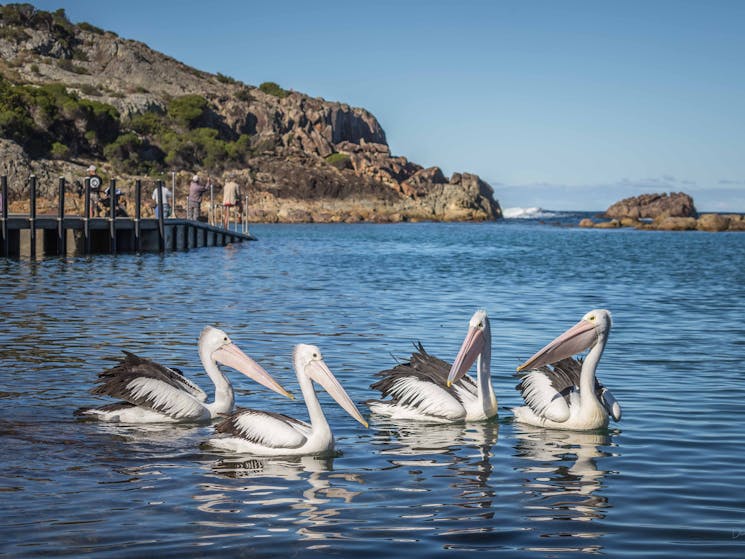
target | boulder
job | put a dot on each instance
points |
(612, 224)
(587, 222)
(676, 204)
(675, 223)
(712, 222)
(630, 222)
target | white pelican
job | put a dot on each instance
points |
(569, 396)
(428, 389)
(264, 433)
(153, 393)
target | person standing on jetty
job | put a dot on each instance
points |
(94, 187)
(167, 200)
(195, 198)
(231, 198)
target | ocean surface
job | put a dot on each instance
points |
(664, 482)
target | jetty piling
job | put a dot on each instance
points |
(138, 213)
(74, 235)
(112, 216)
(61, 232)
(4, 204)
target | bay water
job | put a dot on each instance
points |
(664, 482)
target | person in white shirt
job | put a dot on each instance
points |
(231, 198)
(167, 201)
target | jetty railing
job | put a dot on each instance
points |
(31, 234)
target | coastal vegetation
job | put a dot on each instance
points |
(53, 121)
(271, 88)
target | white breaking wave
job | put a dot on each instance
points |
(528, 213)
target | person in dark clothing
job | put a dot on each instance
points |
(196, 190)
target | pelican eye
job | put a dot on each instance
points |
(225, 339)
(315, 356)
(592, 317)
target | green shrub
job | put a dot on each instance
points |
(67, 65)
(35, 69)
(339, 160)
(90, 89)
(85, 26)
(187, 111)
(271, 88)
(244, 94)
(222, 78)
(147, 124)
(59, 150)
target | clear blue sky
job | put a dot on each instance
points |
(559, 104)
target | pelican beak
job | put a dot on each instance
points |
(471, 348)
(575, 340)
(231, 356)
(319, 372)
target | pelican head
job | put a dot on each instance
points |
(592, 328)
(309, 362)
(479, 334)
(221, 349)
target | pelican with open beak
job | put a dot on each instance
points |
(264, 433)
(429, 389)
(568, 396)
(153, 393)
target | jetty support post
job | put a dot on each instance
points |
(32, 216)
(138, 213)
(112, 216)
(61, 232)
(4, 204)
(161, 219)
(86, 218)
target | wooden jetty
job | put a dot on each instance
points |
(31, 235)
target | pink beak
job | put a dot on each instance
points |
(471, 348)
(231, 356)
(575, 340)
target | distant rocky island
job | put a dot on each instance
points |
(664, 212)
(74, 94)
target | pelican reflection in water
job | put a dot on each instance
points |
(430, 452)
(562, 482)
(306, 484)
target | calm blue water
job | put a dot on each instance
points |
(665, 482)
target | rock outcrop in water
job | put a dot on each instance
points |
(301, 158)
(675, 204)
(674, 212)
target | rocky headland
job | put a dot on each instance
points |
(664, 212)
(85, 96)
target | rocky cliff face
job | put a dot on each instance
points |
(306, 153)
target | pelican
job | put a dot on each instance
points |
(428, 389)
(569, 396)
(157, 394)
(264, 433)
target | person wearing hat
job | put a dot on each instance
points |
(195, 198)
(94, 183)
